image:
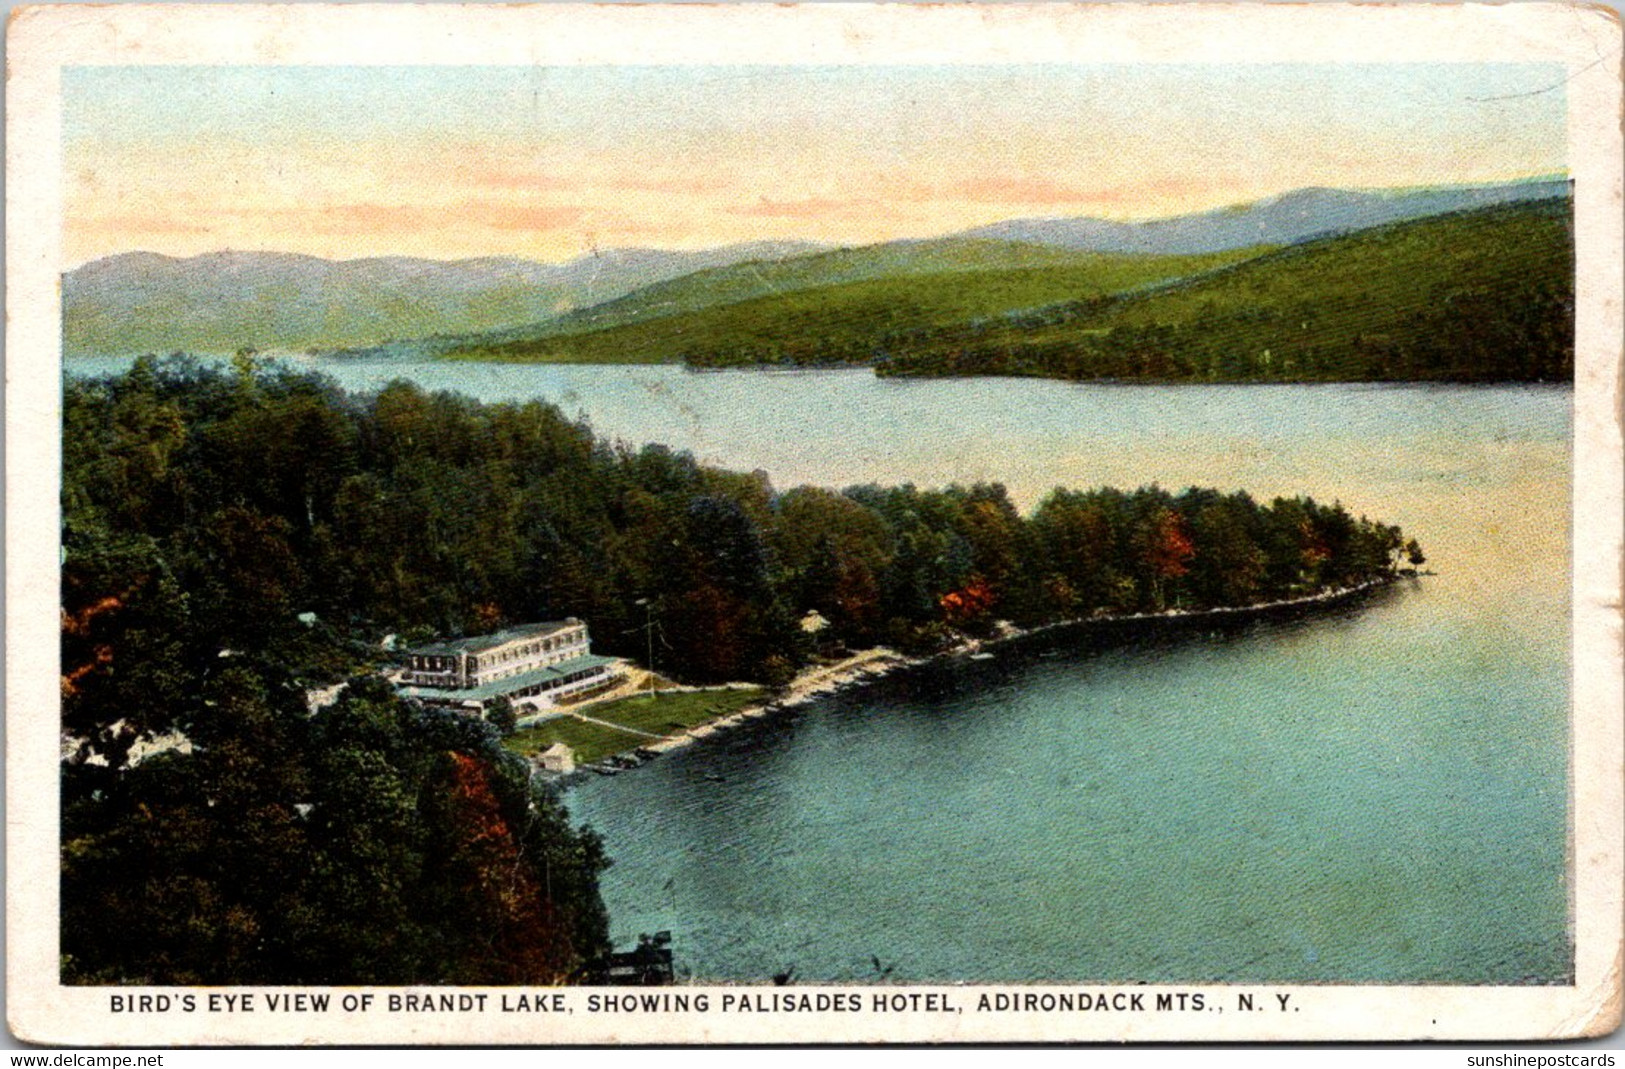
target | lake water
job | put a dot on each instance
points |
(1374, 795)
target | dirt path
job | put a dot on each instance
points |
(617, 727)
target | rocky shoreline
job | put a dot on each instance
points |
(871, 664)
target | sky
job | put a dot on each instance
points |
(551, 163)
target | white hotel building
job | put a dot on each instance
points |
(533, 665)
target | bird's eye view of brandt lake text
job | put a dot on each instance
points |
(877, 525)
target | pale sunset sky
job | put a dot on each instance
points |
(550, 163)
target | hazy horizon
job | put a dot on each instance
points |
(548, 164)
(787, 240)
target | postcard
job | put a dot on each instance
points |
(583, 524)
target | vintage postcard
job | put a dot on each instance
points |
(843, 523)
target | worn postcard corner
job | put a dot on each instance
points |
(582, 524)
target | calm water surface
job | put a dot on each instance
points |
(1378, 795)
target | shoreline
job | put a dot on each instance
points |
(879, 661)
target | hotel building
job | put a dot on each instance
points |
(533, 665)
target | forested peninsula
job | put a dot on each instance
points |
(234, 538)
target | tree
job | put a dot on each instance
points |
(1075, 545)
(994, 531)
(1230, 569)
(500, 715)
(389, 845)
(1414, 554)
(205, 513)
(129, 655)
(1166, 550)
(830, 551)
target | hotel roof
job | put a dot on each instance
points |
(481, 643)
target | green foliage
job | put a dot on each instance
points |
(500, 715)
(837, 323)
(232, 539)
(734, 283)
(1484, 295)
(372, 843)
(419, 513)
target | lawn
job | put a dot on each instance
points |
(589, 742)
(660, 713)
(666, 713)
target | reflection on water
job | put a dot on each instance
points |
(1321, 799)
(1376, 795)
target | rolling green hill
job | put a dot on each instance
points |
(814, 323)
(1482, 295)
(733, 283)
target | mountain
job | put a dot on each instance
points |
(1057, 243)
(1286, 219)
(754, 279)
(504, 308)
(1472, 296)
(219, 302)
(833, 324)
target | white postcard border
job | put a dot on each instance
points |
(43, 40)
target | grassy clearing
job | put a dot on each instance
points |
(660, 713)
(670, 712)
(589, 742)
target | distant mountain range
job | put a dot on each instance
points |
(220, 302)
(1287, 219)
(223, 301)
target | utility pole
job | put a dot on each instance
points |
(649, 635)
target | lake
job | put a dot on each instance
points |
(1377, 794)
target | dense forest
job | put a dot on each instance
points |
(233, 537)
(1476, 296)
(1479, 296)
